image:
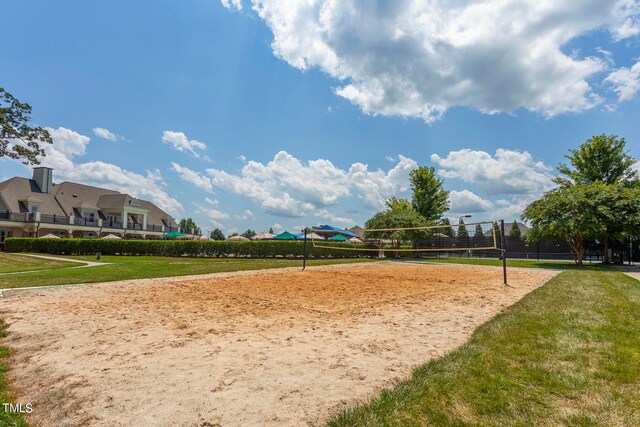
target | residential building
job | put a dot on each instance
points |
(36, 207)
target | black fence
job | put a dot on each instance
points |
(622, 250)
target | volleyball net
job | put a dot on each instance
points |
(477, 236)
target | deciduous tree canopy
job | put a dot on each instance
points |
(18, 140)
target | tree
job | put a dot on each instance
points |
(249, 234)
(188, 223)
(580, 212)
(397, 219)
(217, 234)
(448, 231)
(396, 204)
(429, 197)
(602, 159)
(463, 233)
(478, 232)
(232, 234)
(18, 140)
(271, 230)
(515, 230)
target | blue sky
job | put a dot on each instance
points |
(285, 114)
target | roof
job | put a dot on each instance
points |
(331, 231)
(69, 195)
(357, 230)
(285, 235)
(19, 189)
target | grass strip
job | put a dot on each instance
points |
(566, 354)
(141, 267)
(13, 263)
(7, 419)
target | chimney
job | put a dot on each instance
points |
(44, 178)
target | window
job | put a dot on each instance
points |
(34, 208)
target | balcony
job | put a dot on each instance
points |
(86, 222)
(54, 219)
(17, 216)
(62, 220)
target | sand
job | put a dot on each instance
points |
(272, 348)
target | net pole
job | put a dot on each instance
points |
(503, 243)
(304, 250)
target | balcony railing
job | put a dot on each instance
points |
(86, 222)
(54, 219)
(17, 216)
(112, 224)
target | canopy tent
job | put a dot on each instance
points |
(338, 238)
(311, 235)
(174, 234)
(329, 230)
(355, 240)
(111, 237)
(49, 236)
(285, 235)
(238, 238)
(264, 236)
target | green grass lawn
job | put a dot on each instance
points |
(137, 267)
(6, 418)
(12, 263)
(566, 354)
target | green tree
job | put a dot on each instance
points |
(249, 234)
(271, 230)
(232, 234)
(396, 204)
(515, 230)
(217, 234)
(188, 223)
(601, 158)
(429, 198)
(397, 219)
(478, 232)
(581, 212)
(447, 231)
(18, 140)
(463, 233)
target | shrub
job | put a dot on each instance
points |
(192, 248)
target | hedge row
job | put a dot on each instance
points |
(193, 248)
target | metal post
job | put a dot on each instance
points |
(304, 251)
(503, 244)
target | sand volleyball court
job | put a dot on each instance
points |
(276, 347)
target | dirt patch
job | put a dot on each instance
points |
(261, 348)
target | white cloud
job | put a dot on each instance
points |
(213, 216)
(466, 201)
(107, 134)
(232, 4)
(277, 228)
(247, 214)
(67, 145)
(418, 58)
(625, 82)
(508, 172)
(180, 142)
(192, 177)
(334, 219)
(287, 187)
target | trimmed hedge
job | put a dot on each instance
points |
(192, 248)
